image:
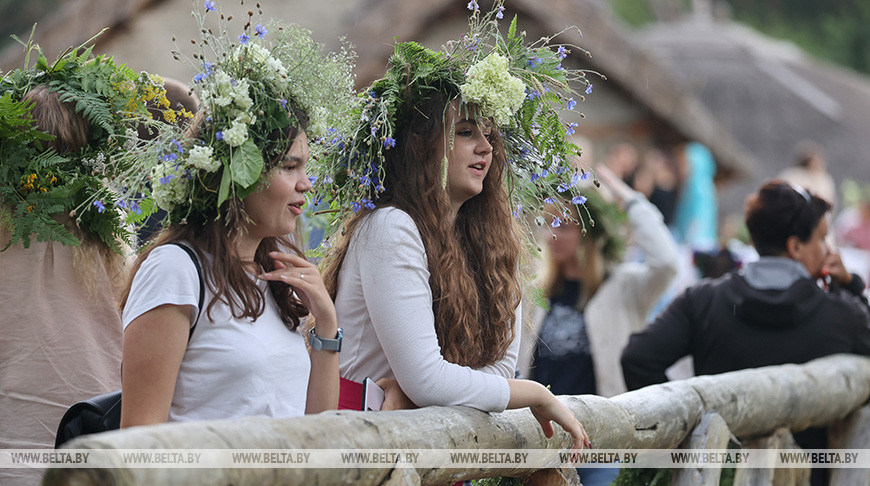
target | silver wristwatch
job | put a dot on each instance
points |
(322, 344)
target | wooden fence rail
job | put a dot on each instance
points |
(751, 403)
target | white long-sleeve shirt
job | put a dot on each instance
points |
(384, 305)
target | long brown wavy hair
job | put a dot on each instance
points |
(225, 272)
(473, 262)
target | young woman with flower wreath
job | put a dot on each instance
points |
(425, 274)
(234, 185)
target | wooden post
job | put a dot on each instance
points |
(781, 439)
(711, 433)
(853, 432)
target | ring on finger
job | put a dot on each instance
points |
(302, 275)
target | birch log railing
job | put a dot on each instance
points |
(756, 404)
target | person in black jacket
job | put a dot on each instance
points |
(770, 312)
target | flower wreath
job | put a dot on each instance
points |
(521, 87)
(249, 90)
(37, 184)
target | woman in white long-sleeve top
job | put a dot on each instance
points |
(425, 274)
(597, 301)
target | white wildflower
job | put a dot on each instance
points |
(202, 157)
(236, 135)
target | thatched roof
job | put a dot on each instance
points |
(769, 95)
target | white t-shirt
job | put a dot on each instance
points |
(384, 305)
(232, 367)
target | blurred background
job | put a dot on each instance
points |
(767, 87)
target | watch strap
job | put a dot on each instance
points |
(323, 344)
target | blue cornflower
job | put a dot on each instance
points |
(165, 180)
(389, 142)
(562, 52)
(584, 176)
(571, 104)
(355, 206)
(209, 5)
(374, 130)
(100, 206)
(373, 94)
(283, 103)
(135, 208)
(533, 94)
(472, 5)
(535, 176)
(570, 129)
(518, 211)
(261, 31)
(327, 179)
(545, 173)
(121, 204)
(549, 200)
(199, 77)
(579, 200)
(559, 67)
(169, 157)
(312, 179)
(589, 89)
(368, 203)
(331, 130)
(575, 177)
(209, 67)
(219, 135)
(556, 222)
(244, 38)
(562, 187)
(524, 152)
(500, 13)
(380, 188)
(364, 180)
(177, 145)
(535, 61)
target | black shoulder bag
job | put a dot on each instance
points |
(103, 412)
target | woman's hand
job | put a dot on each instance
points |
(834, 267)
(546, 408)
(394, 397)
(302, 276)
(305, 279)
(617, 188)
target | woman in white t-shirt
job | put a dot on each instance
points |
(234, 185)
(425, 274)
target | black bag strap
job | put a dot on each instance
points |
(195, 259)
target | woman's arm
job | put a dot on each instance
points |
(306, 281)
(394, 275)
(546, 407)
(154, 345)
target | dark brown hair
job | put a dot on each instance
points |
(473, 263)
(71, 130)
(780, 210)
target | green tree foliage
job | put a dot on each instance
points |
(836, 30)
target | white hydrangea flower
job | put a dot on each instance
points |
(169, 185)
(240, 95)
(202, 157)
(491, 86)
(236, 135)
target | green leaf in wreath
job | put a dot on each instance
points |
(247, 164)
